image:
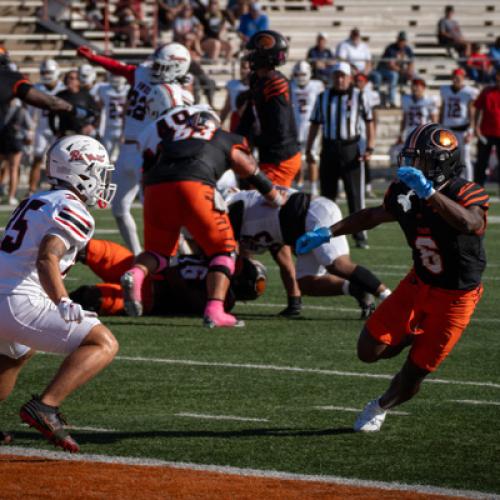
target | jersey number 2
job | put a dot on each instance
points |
(429, 254)
(18, 223)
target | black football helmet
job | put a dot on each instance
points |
(250, 279)
(267, 49)
(434, 150)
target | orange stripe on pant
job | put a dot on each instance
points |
(171, 205)
(283, 173)
(436, 316)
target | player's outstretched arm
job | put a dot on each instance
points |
(363, 220)
(109, 64)
(46, 101)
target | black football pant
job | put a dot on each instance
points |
(340, 160)
(483, 157)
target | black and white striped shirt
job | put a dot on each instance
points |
(339, 113)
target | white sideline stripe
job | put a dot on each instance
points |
(355, 410)
(236, 471)
(318, 371)
(220, 417)
(474, 402)
(349, 309)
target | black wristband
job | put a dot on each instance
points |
(261, 183)
(369, 150)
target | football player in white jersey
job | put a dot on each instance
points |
(39, 246)
(418, 109)
(259, 227)
(50, 84)
(304, 92)
(167, 67)
(234, 88)
(112, 96)
(457, 114)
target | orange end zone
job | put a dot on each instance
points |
(37, 477)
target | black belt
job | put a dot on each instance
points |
(461, 128)
(341, 142)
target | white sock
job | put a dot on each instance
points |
(383, 295)
(345, 287)
(314, 188)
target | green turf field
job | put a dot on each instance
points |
(296, 382)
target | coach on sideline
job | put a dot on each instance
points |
(338, 110)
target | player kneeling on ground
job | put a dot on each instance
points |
(39, 246)
(179, 289)
(444, 219)
(326, 271)
(179, 180)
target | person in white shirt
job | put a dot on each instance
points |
(355, 52)
(418, 109)
(39, 246)
(457, 114)
(304, 92)
(50, 84)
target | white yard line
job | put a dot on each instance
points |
(236, 471)
(294, 369)
(78, 428)
(474, 402)
(355, 410)
(220, 417)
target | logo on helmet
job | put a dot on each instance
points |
(265, 41)
(76, 155)
(444, 139)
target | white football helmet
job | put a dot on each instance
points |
(170, 63)
(162, 98)
(82, 163)
(302, 73)
(86, 74)
(117, 82)
(49, 71)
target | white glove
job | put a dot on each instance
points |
(71, 311)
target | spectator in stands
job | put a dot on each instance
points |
(187, 23)
(478, 65)
(237, 9)
(127, 26)
(321, 58)
(214, 22)
(355, 52)
(494, 54)
(94, 14)
(252, 22)
(396, 66)
(168, 10)
(449, 33)
(67, 123)
(487, 128)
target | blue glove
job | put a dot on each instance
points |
(312, 239)
(416, 180)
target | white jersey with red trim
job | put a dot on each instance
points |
(456, 105)
(113, 105)
(57, 212)
(136, 116)
(417, 112)
(303, 99)
(41, 116)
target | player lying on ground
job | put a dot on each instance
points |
(327, 271)
(38, 248)
(444, 218)
(178, 289)
(189, 153)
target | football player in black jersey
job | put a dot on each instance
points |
(179, 191)
(443, 218)
(269, 115)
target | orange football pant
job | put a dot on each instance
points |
(283, 173)
(436, 316)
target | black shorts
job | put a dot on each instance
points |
(9, 144)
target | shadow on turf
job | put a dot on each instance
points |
(113, 437)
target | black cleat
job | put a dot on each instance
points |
(50, 422)
(365, 300)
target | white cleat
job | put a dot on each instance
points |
(132, 303)
(371, 418)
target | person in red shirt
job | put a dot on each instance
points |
(487, 128)
(478, 65)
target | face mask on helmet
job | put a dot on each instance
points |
(170, 63)
(86, 74)
(82, 164)
(433, 151)
(267, 49)
(302, 73)
(203, 116)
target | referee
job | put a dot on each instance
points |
(338, 110)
